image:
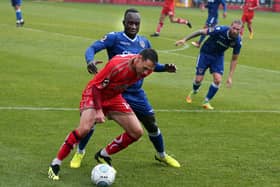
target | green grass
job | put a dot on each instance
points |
(42, 65)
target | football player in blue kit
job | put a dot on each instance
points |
(19, 19)
(128, 42)
(213, 15)
(212, 56)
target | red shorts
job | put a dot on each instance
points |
(115, 104)
(168, 11)
(247, 18)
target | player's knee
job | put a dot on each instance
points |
(136, 133)
(149, 123)
(217, 82)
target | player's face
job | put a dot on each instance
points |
(144, 67)
(132, 24)
(234, 30)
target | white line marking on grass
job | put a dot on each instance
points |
(174, 50)
(162, 51)
(157, 110)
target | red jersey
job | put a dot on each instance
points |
(115, 77)
(250, 4)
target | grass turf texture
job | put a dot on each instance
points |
(42, 65)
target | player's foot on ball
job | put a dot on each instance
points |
(206, 105)
(189, 24)
(196, 44)
(77, 160)
(154, 34)
(168, 160)
(53, 172)
(102, 159)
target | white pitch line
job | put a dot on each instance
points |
(157, 110)
(171, 51)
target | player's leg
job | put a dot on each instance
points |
(217, 69)
(250, 28)
(17, 6)
(145, 113)
(80, 153)
(173, 19)
(133, 131)
(156, 138)
(160, 24)
(86, 122)
(201, 67)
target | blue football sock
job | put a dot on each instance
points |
(196, 87)
(18, 14)
(85, 140)
(212, 91)
(157, 141)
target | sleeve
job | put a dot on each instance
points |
(237, 48)
(106, 42)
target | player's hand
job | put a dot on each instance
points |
(91, 67)
(99, 117)
(171, 68)
(229, 82)
(180, 42)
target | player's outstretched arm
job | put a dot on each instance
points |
(231, 70)
(191, 36)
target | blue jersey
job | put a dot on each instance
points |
(213, 11)
(219, 41)
(119, 43)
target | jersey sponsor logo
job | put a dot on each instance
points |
(124, 43)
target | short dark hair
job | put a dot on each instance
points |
(130, 10)
(150, 54)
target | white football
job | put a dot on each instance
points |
(103, 175)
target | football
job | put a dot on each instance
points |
(103, 175)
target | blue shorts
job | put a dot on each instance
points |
(214, 63)
(139, 103)
(211, 21)
(16, 2)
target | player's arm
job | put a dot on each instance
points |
(191, 36)
(89, 56)
(97, 46)
(224, 4)
(99, 118)
(233, 64)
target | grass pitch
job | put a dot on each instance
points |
(43, 74)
